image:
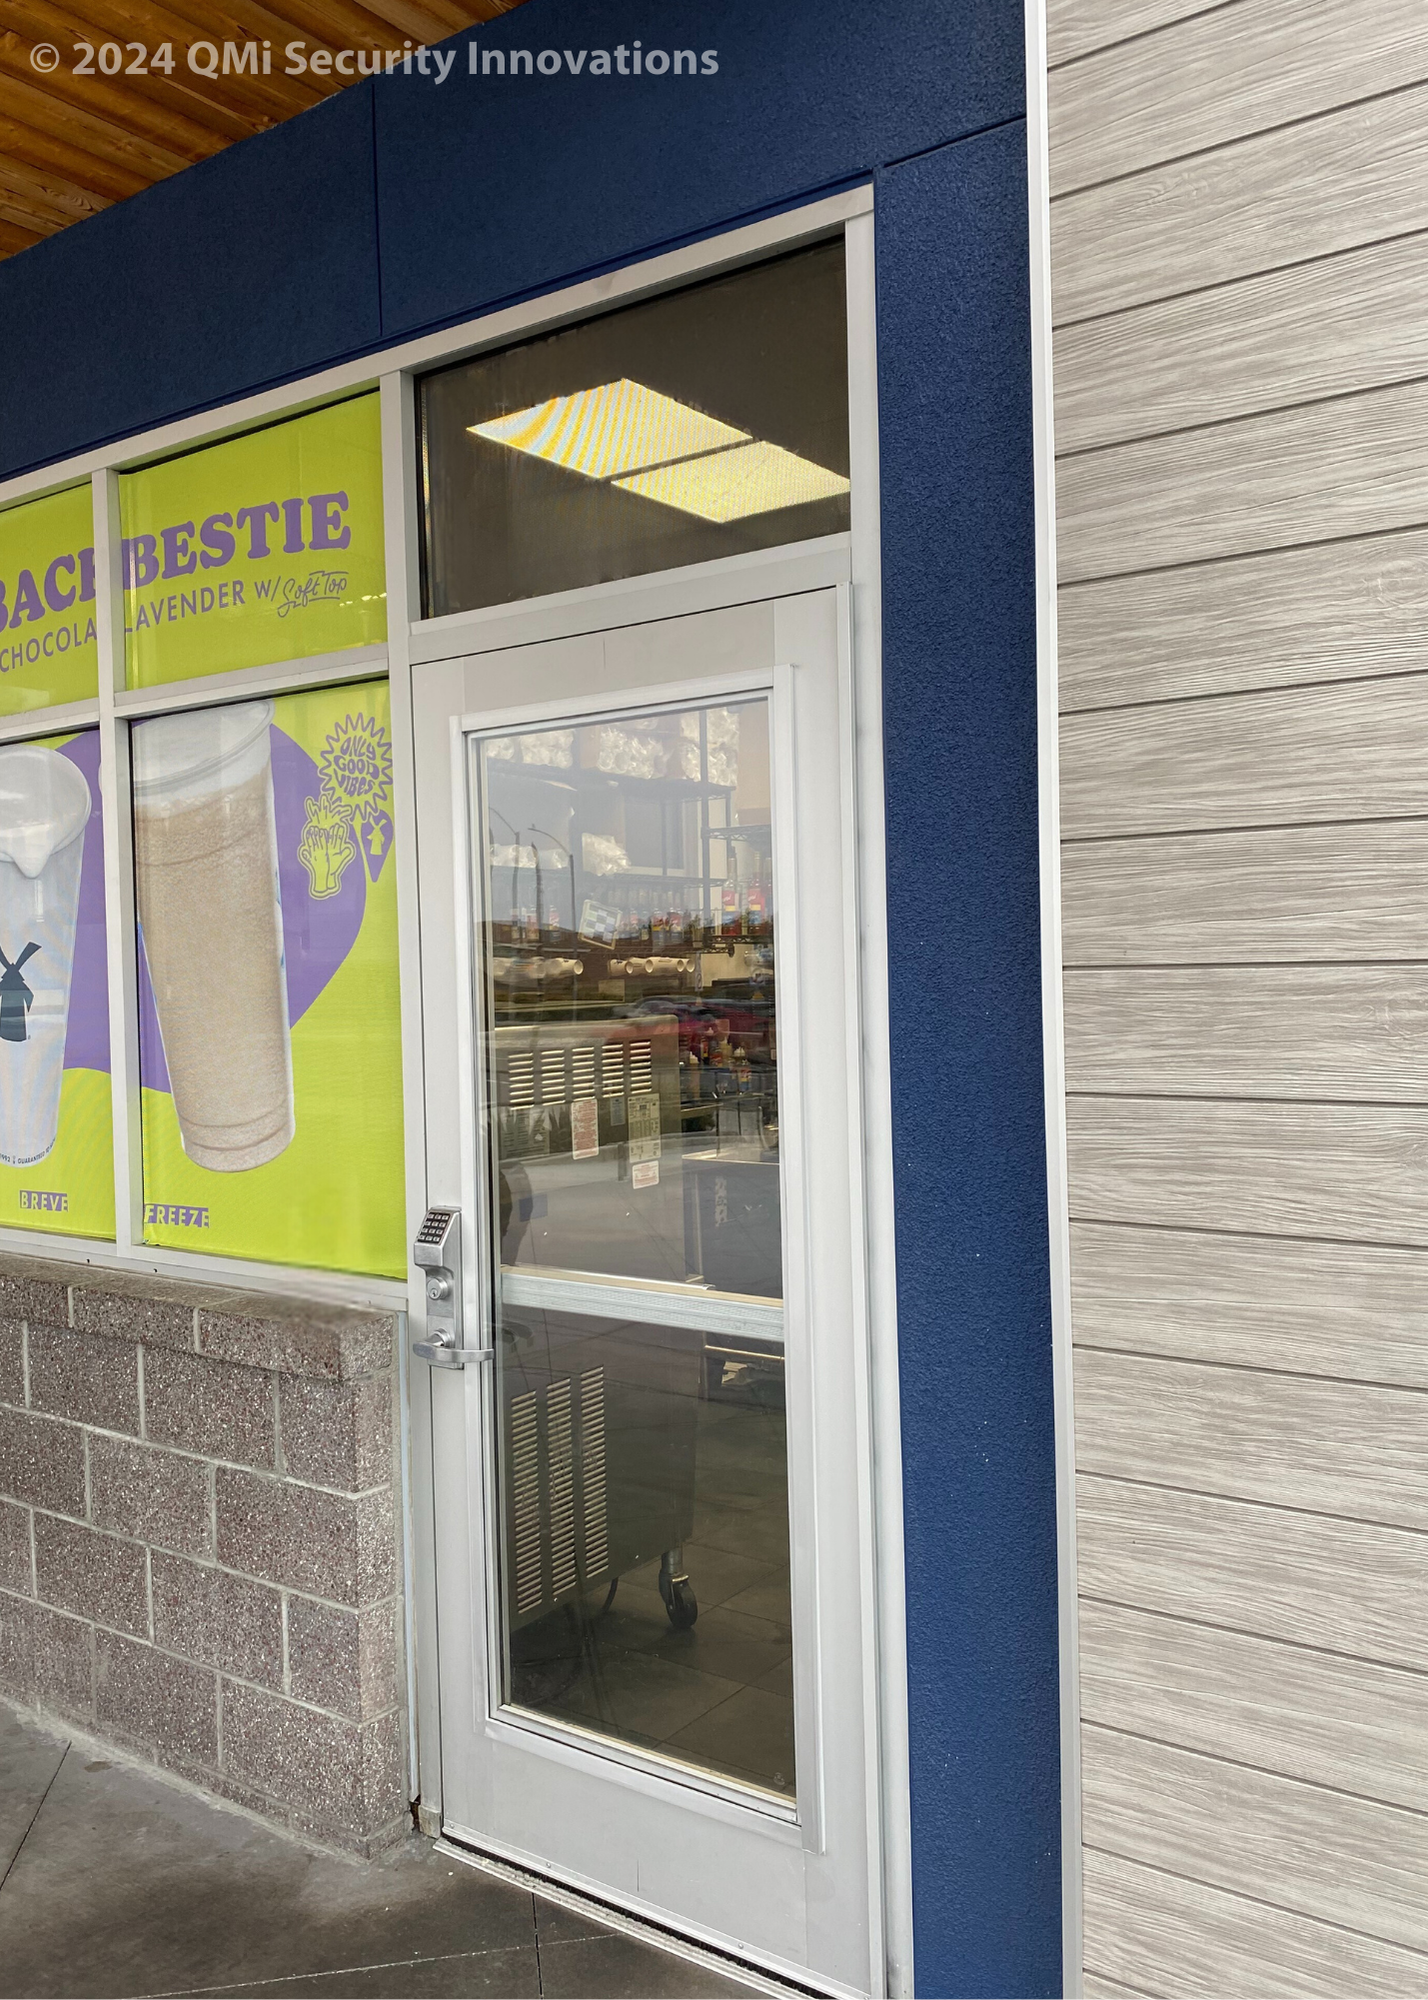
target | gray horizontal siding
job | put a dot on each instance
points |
(1332, 611)
(1219, 76)
(1352, 466)
(1351, 1032)
(1181, 1937)
(1354, 176)
(1330, 1447)
(1330, 328)
(1096, 1987)
(1356, 751)
(1335, 1585)
(1078, 27)
(1240, 248)
(1343, 1310)
(1349, 1724)
(1287, 894)
(1351, 1861)
(1350, 1172)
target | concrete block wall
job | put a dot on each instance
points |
(200, 1537)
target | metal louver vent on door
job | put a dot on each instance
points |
(592, 1473)
(552, 1076)
(582, 1072)
(560, 1458)
(641, 1071)
(525, 1500)
(612, 1069)
(522, 1079)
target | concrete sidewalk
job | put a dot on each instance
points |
(114, 1883)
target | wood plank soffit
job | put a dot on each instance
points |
(71, 145)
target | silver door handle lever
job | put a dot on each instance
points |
(440, 1354)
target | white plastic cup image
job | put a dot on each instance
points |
(206, 870)
(44, 809)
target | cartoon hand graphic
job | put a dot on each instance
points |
(327, 845)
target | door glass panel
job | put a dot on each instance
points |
(627, 980)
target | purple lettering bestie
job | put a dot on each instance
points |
(300, 524)
(314, 523)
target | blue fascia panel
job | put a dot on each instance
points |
(253, 267)
(808, 94)
(969, 1134)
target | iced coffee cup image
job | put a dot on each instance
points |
(210, 911)
(44, 809)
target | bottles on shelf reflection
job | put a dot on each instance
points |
(648, 922)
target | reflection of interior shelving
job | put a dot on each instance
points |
(579, 779)
(587, 847)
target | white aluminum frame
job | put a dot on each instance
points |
(653, 1772)
(1053, 1031)
(783, 576)
(411, 640)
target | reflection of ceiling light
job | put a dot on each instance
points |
(649, 444)
(616, 428)
(731, 485)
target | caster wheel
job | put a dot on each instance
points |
(682, 1605)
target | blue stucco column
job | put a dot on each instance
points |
(969, 1132)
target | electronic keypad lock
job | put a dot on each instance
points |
(437, 1254)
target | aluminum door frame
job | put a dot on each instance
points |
(467, 1570)
(776, 686)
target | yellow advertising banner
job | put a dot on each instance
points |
(269, 1015)
(48, 647)
(265, 548)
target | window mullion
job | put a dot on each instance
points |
(120, 931)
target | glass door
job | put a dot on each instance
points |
(627, 978)
(652, 1537)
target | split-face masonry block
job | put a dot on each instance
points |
(336, 1434)
(153, 1496)
(340, 1546)
(12, 1361)
(42, 1462)
(200, 1536)
(17, 1570)
(215, 1409)
(92, 1575)
(347, 1661)
(84, 1380)
(47, 1659)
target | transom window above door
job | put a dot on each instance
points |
(706, 422)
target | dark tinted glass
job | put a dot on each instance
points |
(699, 424)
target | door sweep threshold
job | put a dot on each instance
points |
(615, 1919)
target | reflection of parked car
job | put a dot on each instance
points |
(747, 1021)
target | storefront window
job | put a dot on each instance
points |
(268, 1014)
(265, 548)
(48, 640)
(703, 423)
(56, 1149)
(269, 1028)
(707, 422)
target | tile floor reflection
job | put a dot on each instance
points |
(719, 1695)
